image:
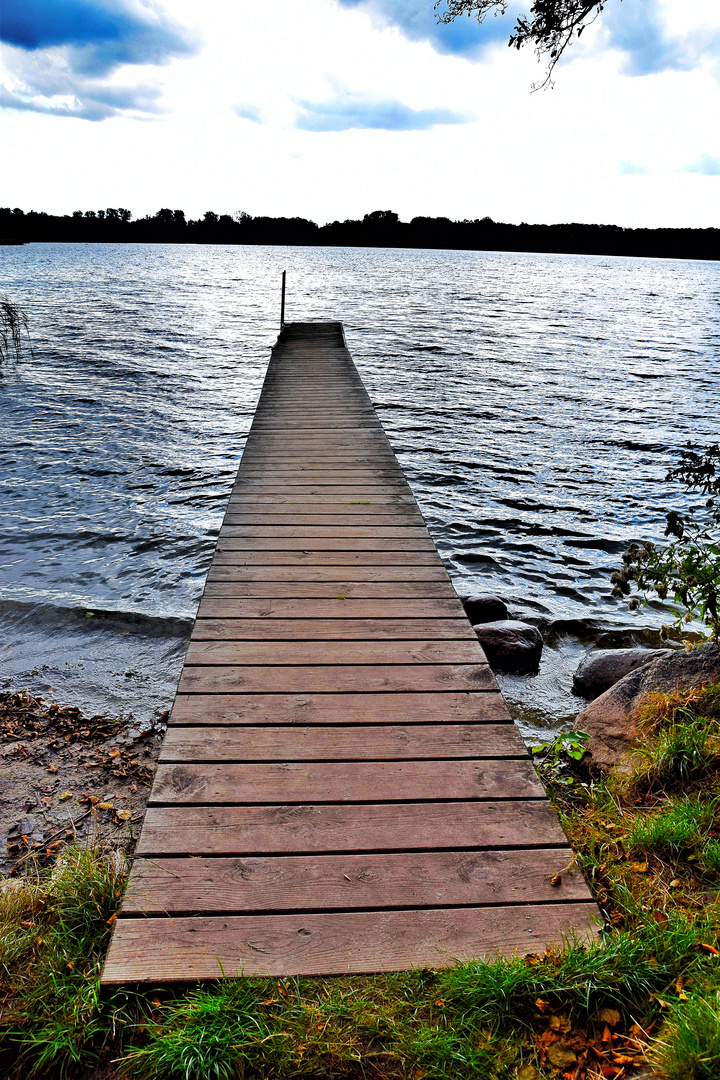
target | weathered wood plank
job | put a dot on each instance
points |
(221, 572)
(345, 629)
(278, 557)
(334, 590)
(231, 784)
(154, 950)
(334, 533)
(388, 651)
(333, 679)
(308, 517)
(326, 882)
(354, 742)
(482, 707)
(309, 545)
(347, 611)
(286, 829)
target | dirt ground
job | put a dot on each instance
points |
(63, 775)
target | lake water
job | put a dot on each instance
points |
(533, 400)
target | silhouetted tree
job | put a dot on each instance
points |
(550, 26)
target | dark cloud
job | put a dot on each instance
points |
(351, 112)
(63, 49)
(418, 22)
(706, 164)
(249, 112)
(99, 34)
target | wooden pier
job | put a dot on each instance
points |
(341, 788)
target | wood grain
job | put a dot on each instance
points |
(230, 784)
(326, 882)
(352, 742)
(336, 943)
(484, 707)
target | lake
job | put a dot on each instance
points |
(534, 402)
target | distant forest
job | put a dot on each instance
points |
(382, 228)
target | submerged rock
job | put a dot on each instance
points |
(484, 608)
(602, 668)
(510, 645)
(610, 719)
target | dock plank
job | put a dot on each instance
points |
(336, 943)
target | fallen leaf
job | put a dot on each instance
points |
(606, 1036)
(112, 920)
(52, 768)
(675, 883)
(543, 1006)
(709, 948)
(555, 880)
(105, 806)
(528, 1072)
(124, 815)
(65, 796)
(560, 1055)
(559, 1023)
(639, 867)
(609, 1016)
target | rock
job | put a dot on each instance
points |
(484, 608)
(510, 645)
(601, 668)
(610, 719)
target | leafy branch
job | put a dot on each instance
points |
(550, 27)
(688, 568)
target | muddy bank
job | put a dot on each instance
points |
(65, 775)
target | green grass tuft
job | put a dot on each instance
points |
(213, 1033)
(673, 830)
(689, 1046)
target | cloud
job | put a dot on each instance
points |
(353, 112)
(99, 104)
(638, 30)
(706, 164)
(417, 21)
(627, 168)
(100, 35)
(59, 54)
(248, 112)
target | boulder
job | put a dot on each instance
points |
(510, 645)
(484, 608)
(602, 668)
(610, 719)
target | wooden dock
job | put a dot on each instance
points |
(341, 788)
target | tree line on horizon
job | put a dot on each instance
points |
(382, 228)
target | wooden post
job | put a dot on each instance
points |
(282, 302)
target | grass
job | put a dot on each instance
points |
(690, 1046)
(54, 931)
(648, 994)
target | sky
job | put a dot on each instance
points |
(330, 109)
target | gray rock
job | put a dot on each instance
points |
(610, 719)
(510, 645)
(484, 608)
(602, 668)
